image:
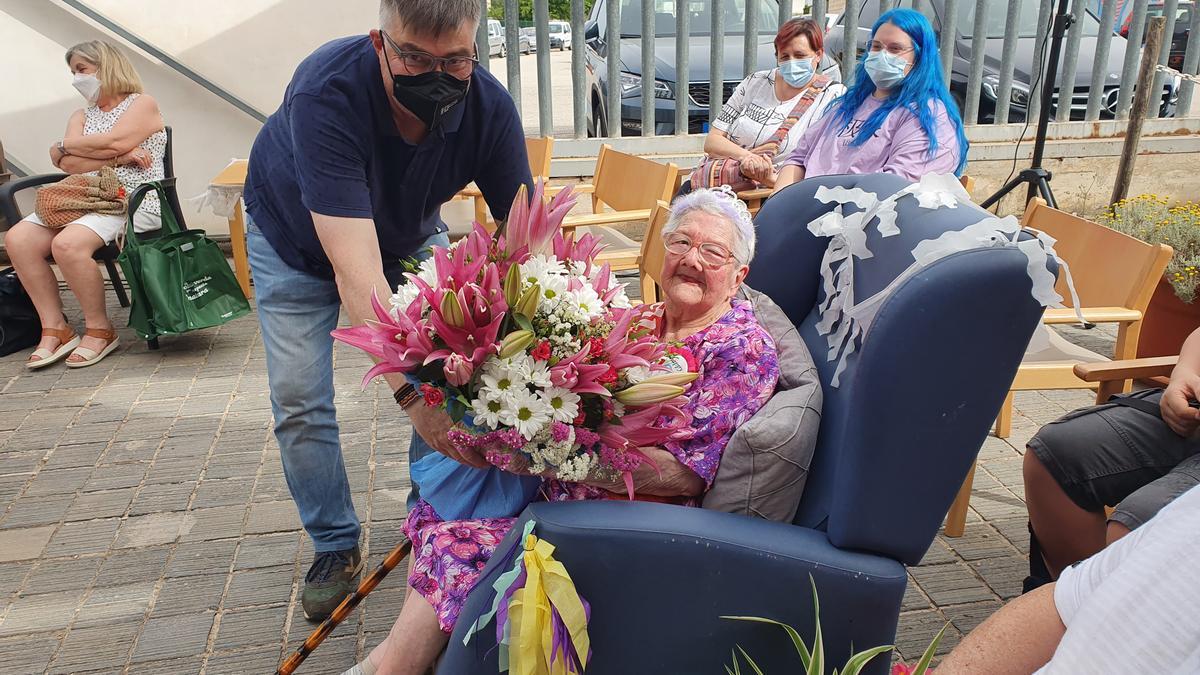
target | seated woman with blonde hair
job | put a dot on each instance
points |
(121, 128)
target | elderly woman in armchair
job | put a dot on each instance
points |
(709, 242)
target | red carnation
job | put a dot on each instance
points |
(541, 352)
(433, 396)
(608, 377)
(595, 347)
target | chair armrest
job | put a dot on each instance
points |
(1066, 315)
(8, 193)
(1129, 369)
(756, 194)
(605, 218)
(636, 563)
(579, 189)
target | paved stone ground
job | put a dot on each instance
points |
(145, 526)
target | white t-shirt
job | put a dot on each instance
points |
(1135, 606)
(753, 113)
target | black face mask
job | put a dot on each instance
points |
(430, 95)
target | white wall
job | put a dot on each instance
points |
(248, 47)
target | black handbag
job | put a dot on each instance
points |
(20, 327)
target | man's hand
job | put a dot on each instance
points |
(434, 424)
(1175, 405)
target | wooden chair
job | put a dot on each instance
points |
(1114, 275)
(648, 258)
(629, 185)
(754, 198)
(540, 151)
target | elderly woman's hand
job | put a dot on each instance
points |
(138, 157)
(663, 476)
(756, 167)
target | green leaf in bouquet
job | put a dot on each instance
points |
(455, 409)
(797, 641)
(856, 663)
(749, 661)
(523, 322)
(927, 658)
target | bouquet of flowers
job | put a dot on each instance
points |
(533, 350)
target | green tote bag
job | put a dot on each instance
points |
(179, 281)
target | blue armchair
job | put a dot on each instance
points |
(897, 437)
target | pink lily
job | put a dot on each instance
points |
(458, 369)
(533, 225)
(572, 373)
(399, 342)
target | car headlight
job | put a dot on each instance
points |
(1019, 95)
(632, 84)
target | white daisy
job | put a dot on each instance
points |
(501, 380)
(525, 412)
(537, 373)
(635, 374)
(563, 404)
(487, 411)
(540, 266)
(553, 286)
(588, 301)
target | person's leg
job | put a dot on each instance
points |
(72, 250)
(297, 311)
(28, 245)
(1089, 459)
(414, 642)
(1138, 508)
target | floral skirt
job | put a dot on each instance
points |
(448, 556)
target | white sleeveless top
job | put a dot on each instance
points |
(97, 121)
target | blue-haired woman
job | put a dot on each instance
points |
(897, 118)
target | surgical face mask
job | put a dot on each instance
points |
(797, 72)
(88, 86)
(885, 69)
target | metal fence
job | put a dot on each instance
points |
(999, 83)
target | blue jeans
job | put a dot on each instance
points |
(297, 311)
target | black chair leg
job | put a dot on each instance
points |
(118, 286)
(152, 344)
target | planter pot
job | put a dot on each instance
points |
(1168, 322)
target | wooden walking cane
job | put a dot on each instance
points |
(343, 610)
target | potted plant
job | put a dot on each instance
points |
(1173, 312)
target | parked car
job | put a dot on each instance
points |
(1024, 57)
(497, 41)
(560, 35)
(496, 44)
(599, 118)
(529, 37)
(1179, 37)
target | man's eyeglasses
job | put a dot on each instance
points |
(713, 255)
(894, 49)
(417, 62)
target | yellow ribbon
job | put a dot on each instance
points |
(547, 585)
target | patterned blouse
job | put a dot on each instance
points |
(738, 368)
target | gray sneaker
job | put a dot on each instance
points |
(330, 579)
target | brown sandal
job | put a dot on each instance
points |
(90, 357)
(67, 341)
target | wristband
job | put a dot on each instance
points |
(406, 395)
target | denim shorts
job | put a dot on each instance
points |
(1118, 455)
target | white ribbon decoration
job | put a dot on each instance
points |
(846, 322)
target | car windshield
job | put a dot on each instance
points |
(1027, 22)
(699, 16)
(555, 28)
(1182, 15)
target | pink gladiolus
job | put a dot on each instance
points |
(458, 369)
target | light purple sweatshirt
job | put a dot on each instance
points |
(899, 147)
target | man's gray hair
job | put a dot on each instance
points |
(723, 203)
(430, 17)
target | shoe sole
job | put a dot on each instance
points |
(355, 573)
(97, 358)
(64, 350)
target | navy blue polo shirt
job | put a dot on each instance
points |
(333, 148)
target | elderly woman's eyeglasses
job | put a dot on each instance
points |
(895, 48)
(418, 62)
(713, 255)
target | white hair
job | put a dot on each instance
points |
(723, 203)
(430, 17)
